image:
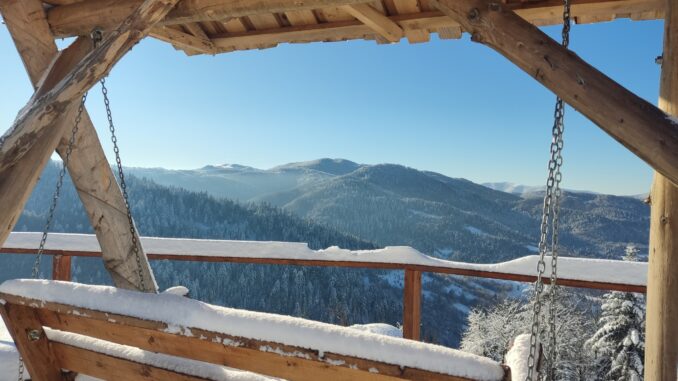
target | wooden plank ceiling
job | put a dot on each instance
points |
(220, 26)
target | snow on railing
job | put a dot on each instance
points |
(576, 272)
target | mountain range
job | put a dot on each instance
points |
(338, 202)
(447, 217)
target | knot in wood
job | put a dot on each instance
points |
(473, 14)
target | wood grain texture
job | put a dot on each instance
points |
(635, 123)
(78, 18)
(183, 40)
(264, 357)
(61, 268)
(37, 354)
(661, 340)
(412, 305)
(113, 368)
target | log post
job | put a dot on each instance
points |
(61, 267)
(661, 341)
(412, 305)
(88, 167)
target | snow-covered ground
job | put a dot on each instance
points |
(584, 269)
(178, 311)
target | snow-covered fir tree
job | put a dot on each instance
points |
(619, 343)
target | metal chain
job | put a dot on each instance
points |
(123, 185)
(97, 36)
(52, 208)
(550, 213)
(57, 191)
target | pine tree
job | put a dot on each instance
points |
(619, 343)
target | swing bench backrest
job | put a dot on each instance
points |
(41, 330)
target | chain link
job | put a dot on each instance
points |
(59, 185)
(123, 184)
(550, 213)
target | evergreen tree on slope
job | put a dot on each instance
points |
(619, 343)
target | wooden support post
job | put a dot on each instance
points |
(26, 330)
(88, 166)
(661, 341)
(61, 267)
(637, 124)
(412, 305)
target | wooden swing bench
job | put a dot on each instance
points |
(92, 330)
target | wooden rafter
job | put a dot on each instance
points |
(189, 42)
(637, 124)
(324, 32)
(79, 18)
(376, 21)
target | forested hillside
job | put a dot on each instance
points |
(343, 296)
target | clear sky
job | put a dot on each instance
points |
(450, 106)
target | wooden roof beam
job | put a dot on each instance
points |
(80, 18)
(634, 122)
(376, 20)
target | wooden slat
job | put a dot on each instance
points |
(635, 123)
(297, 18)
(376, 21)
(322, 32)
(36, 352)
(112, 368)
(289, 362)
(412, 305)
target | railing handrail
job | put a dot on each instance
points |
(574, 272)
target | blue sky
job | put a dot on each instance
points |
(450, 106)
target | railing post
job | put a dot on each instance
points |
(61, 267)
(412, 304)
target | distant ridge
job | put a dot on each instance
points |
(332, 166)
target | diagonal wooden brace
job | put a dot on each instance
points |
(41, 124)
(637, 124)
(88, 167)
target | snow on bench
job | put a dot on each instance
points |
(576, 269)
(181, 314)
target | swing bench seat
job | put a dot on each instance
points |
(116, 334)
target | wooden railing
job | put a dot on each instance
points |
(413, 264)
